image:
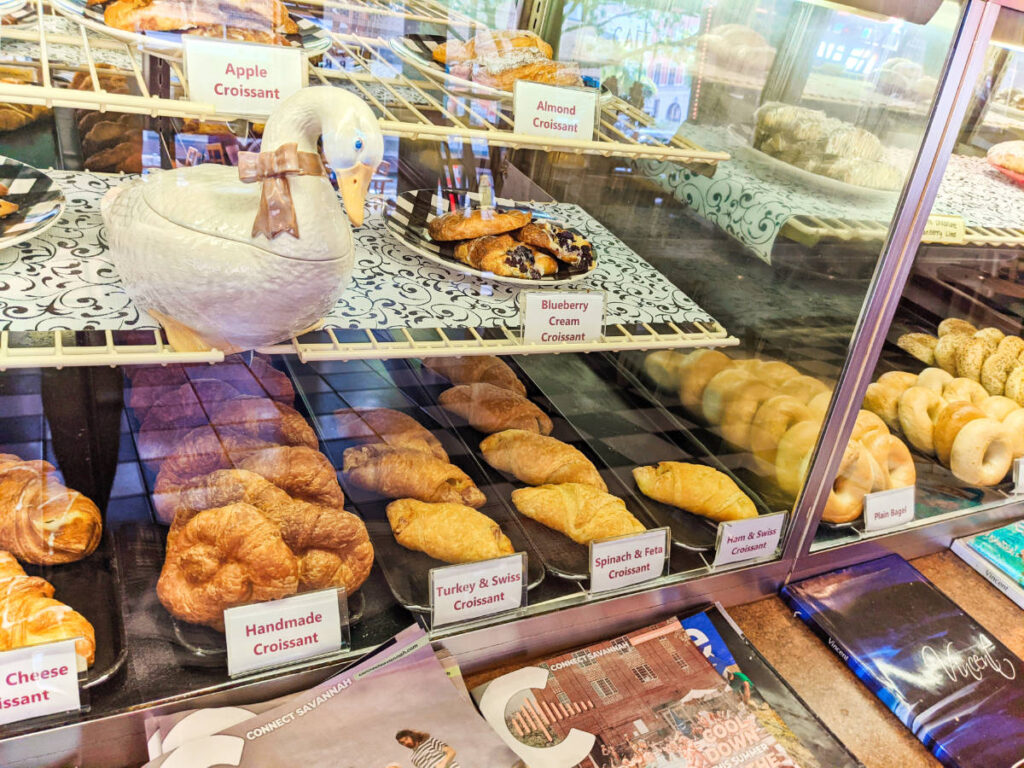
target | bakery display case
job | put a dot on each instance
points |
(325, 347)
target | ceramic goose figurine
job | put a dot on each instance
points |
(187, 250)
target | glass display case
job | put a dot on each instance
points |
(324, 297)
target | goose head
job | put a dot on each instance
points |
(352, 141)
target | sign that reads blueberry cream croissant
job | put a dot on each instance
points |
(37, 681)
(555, 111)
(628, 560)
(284, 631)
(473, 590)
(242, 78)
(558, 317)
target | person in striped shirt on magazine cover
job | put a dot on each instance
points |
(427, 751)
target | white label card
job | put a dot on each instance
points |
(472, 590)
(283, 631)
(627, 560)
(1018, 476)
(751, 539)
(242, 78)
(554, 110)
(551, 317)
(943, 228)
(37, 681)
(885, 509)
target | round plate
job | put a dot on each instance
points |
(168, 45)
(1018, 178)
(407, 221)
(39, 199)
(418, 50)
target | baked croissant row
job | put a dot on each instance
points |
(476, 369)
(491, 409)
(41, 521)
(453, 533)
(402, 472)
(32, 616)
(581, 512)
(538, 459)
(702, 490)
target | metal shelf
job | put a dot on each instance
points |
(809, 230)
(407, 106)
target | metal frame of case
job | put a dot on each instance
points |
(120, 739)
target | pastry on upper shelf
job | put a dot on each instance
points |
(734, 48)
(581, 512)
(385, 425)
(453, 533)
(563, 243)
(489, 42)
(696, 488)
(539, 459)
(463, 225)
(401, 472)
(42, 521)
(263, 21)
(502, 255)
(6, 206)
(492, 409)
(15, 116)
(1008, 155)
(473, 369)
(502, 70)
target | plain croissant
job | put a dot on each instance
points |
(581, 512)
(484, 369)
(395, 428)
(399, 473)
(453, 533)
(41, 521)
(696, 488)
(492, 409)
(538, 459)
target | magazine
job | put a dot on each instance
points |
(649, 699)
(1004, 547)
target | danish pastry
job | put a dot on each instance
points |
(565, 244)
(460, 225)
(501, 255)
(453, 533)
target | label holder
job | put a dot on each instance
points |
(53, 718)
(473, 571)
(1018, 476)
(623, 540)
(722, 558)
(520, 87)
(526, 323)
(885, 502)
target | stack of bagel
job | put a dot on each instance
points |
(953, 418)
(769, 408)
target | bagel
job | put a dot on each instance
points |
(883, 396)
(1014, 388)
(803, 388)
(934, 378)
(1014, 422)
(662, 368)
(901, 380)
(694, 374)
(773, 418)
(945, 351)
(971, 355)
(893, 456)
(1012, 345)
(955, 325)
(948, 423)
(990, 334)
(997, 407)
(995, 370)
(879, 474)
(867, 422)
(982, 452)
(750, 364)
(964, 389)
(919, 345)
(917, 410)
(819, 404)
(775, 373)
(793, 455)
(741, 404)
(846, 499)
(719, 388)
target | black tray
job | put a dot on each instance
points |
(406, 571)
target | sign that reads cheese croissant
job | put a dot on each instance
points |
(242, 78)
(284, 631)
(555, 111)
(474, 590)
(37, 681)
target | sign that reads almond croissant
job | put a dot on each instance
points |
(555, 111)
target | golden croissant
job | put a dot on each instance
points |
(331, 544)
(388, 426)
(303, 473)
(399, 473)
(492, 409)
(581, 512)
(225, 557)
(696, 488)
(453, 533)
(482, 369)
(31, 616)
(41, 521)
(537, 459)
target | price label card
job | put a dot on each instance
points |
(1018, 476)
(941, 228)
(885, 509)
(473, 590)
(552, 110)
(557, 317)
(242, 78)
(39, 680)
(751, 539)
(284, 631)
(627, 560)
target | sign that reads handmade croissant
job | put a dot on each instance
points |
(37, 681)
(242, 78)
(628, 560)
(472, 590)
(751, 539)
(284, 631)
(553, 110)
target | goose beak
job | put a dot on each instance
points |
(354, 183)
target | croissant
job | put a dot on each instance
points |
(395, 428)
(225, 557)
(176, 413)
(453, 533)
(537, 459)
(696, 488)
(492, 409)
(265, 419)
(476, 369)
(332, 546)
(581, 512)
(400, 472)
(31, 615)
(41, 521)
(301, 472)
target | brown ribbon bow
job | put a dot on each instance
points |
(277, 211)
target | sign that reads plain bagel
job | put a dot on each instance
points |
(553, 110)
(242, 78)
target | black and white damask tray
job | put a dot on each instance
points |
(39, 200)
